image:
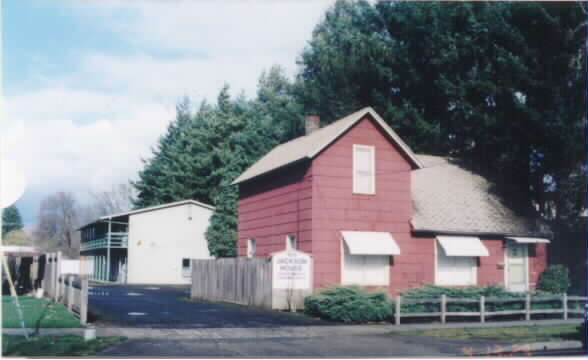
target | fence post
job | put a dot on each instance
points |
(55, 276)
(53, 272)
(57, 273)
(528, 307)
(70, 293)
(564, 301)
(482, 309)
(50, 275)
(397, 312)
(84, 299)
(443, 308)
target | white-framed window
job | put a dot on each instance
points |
(454, 270)
(365, 269)
(291, 242)
(186, 268)
(364, 169)
(251, 247)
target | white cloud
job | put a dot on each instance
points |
(54, 149)
(211, 27)
(217, 42)
(89, 129)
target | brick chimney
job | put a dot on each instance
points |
(311, 123)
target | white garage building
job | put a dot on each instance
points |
(152, 245)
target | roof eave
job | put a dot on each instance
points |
(292, 163)
(425, 231)
(353, 119)
(405, 149)
(147, 209)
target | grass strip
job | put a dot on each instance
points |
(514, 333)
(67, 345)
(41, 313)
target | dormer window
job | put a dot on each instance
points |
(364, 169)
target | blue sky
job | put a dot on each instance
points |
(89, 86)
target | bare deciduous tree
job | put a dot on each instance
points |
(118, 198)
(57, 224)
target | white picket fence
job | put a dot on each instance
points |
(68, 289)
(482, 302)
(74, 295)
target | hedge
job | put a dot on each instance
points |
(352, 304)
(474, 292)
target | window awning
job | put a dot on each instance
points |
(370, 243)
(462, 246)
(528, 240)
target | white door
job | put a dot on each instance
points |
(517, 269)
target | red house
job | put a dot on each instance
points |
(373, 213)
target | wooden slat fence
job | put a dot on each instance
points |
(245, 281)
(525, 308)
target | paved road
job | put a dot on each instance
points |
(374, 345)
(155, 306)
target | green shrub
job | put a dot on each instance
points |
(349, 304)
(471, 292)
(555, 279)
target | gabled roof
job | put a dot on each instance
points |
(307, 147)
(150, 208)
(20, 250)
(450, 199)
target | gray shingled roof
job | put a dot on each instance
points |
(449, 198)
(307, 147)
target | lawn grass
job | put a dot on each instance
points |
(67, 345)
(40, 313)
(514, 333)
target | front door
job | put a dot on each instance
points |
(516, 266)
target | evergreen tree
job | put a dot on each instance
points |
(500, 85)
(11, 219)
(202, 153)
(276, 101)
(169, 175)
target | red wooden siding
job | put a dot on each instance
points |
(491, 268)
(537, 262)
(336, 208)
(273, 207)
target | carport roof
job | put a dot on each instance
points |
(147, 209)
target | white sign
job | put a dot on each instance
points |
(291, 270)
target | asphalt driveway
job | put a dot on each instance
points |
(164, 306)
